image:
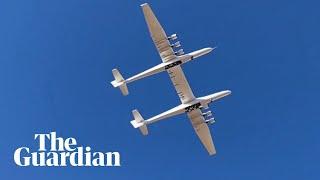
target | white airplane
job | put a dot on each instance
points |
(171, 62)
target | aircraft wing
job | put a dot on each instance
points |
(158, 35)
(202, 130)
(181, 84)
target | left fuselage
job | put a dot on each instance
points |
(187, 57)
(170, 64)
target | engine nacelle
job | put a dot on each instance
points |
(176, 44)
(207, 114)
(179, 52)
(172, 37)
(204, 107)
(210, 121)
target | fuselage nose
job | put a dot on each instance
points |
(200, 52)
(227, 92)
(222, 94)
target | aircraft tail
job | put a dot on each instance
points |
(119, 82)
(139, 122)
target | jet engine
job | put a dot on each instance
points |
(207, 114)
(176, 44)
(172, 37)
(204, 107)
(210, 121)
(179, 52)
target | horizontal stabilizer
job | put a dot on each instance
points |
(139, 122)
(119, 82)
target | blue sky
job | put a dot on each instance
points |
(55, 66)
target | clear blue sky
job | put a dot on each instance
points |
(55, 67)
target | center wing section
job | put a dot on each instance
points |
(158, 35)
(181, 84)
(202, 130)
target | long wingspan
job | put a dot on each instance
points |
(158, 35)
(160, 40)
(202, 130)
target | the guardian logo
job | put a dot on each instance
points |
(63, 153)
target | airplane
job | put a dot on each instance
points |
(195, 108)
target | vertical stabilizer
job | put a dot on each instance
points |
(139, 122)
(119, 82)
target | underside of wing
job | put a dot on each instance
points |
(158, 35)
(181, 84)
(202, 130)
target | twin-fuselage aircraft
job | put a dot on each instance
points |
(172, 59)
